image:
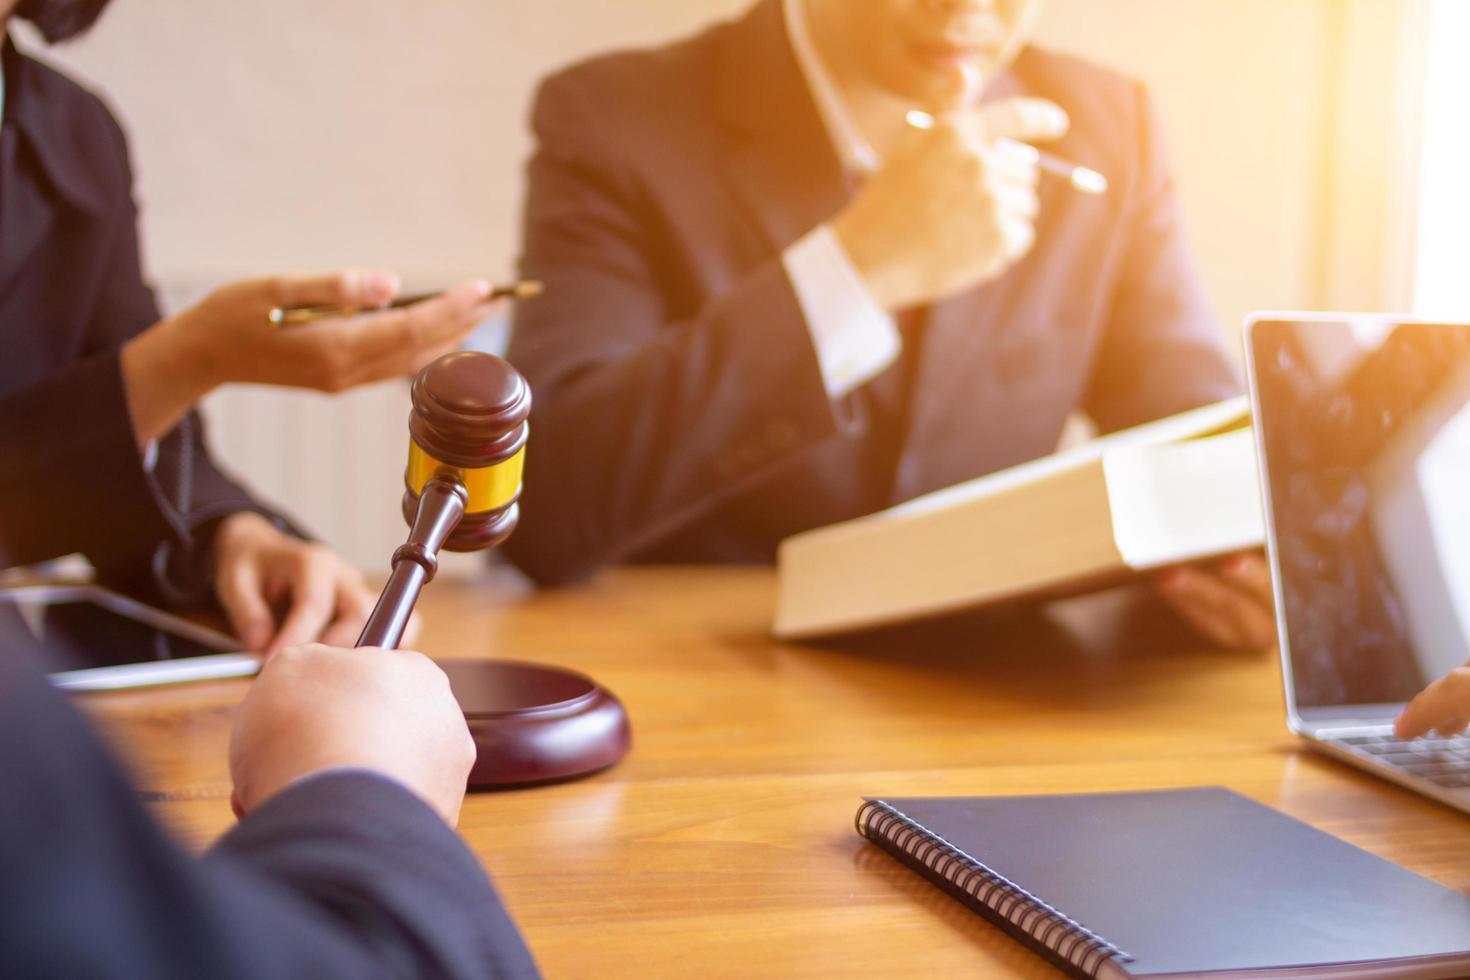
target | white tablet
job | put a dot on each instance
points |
(97, 640)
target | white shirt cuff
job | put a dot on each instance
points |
(855, 338)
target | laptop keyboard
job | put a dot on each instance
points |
(1442, 761)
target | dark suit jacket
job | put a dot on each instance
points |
(71, 293)
(680, 414)
(342, 875)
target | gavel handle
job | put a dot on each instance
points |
(441, 505)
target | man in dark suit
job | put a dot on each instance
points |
(97, 389)
(344, 863)
(772, 305)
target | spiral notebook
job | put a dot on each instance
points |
(1177, 883)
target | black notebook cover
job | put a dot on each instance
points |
(1170, 882)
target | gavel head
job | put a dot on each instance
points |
(469, 425)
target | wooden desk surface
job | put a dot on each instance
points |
(723, 845)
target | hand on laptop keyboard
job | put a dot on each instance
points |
(1442, 707)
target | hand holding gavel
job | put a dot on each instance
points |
(392, 712)
(531, 723)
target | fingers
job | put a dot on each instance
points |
(1225, 614)
(1020, 235)
(448, 317)
(345, 352)
(313, 599)
(1249, 572)
(1449, 729)
(344, 630)
(389, 344)
(241, 594)
(1443, 705)
(1016, 200)
(354, 605)
(1176, 588)
(350, 288)
(1006, 167)
(1026, 120)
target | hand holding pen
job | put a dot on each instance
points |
(356, 336)
(365, 339)
(979, 124)
(950, 208)
(1084, 179)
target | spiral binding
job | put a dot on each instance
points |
(1047, 930)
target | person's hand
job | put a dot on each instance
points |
(314, 708)
(1228, 601)
(1442, 707)
(260, 572)
(228, 337)
(948, 209)
(231, 339)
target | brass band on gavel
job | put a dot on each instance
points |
(468, 426)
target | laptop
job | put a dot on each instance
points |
(1363, 433)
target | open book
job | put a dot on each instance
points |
(1171, 491)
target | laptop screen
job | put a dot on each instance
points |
(1365, 425)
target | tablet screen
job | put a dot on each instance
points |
(76, 631)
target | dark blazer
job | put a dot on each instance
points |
(345, 874)
(679, 410)
(71, 293)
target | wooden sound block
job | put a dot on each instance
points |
(536, 724)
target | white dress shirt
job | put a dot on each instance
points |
(854, 337)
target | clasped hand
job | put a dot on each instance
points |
(949, 209)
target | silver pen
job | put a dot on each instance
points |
(1085, 179)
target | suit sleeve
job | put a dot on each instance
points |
(64, 437)
(344, 874)
(149, 527)
(644, 419)
(1163, 351)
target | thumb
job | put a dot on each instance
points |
(1024, 120)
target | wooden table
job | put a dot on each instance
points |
(723, 845)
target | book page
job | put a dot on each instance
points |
(1186, 500)
(1186, 425)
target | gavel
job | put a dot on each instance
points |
(531, 723)
(466, 451)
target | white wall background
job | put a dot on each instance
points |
(286, 135)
